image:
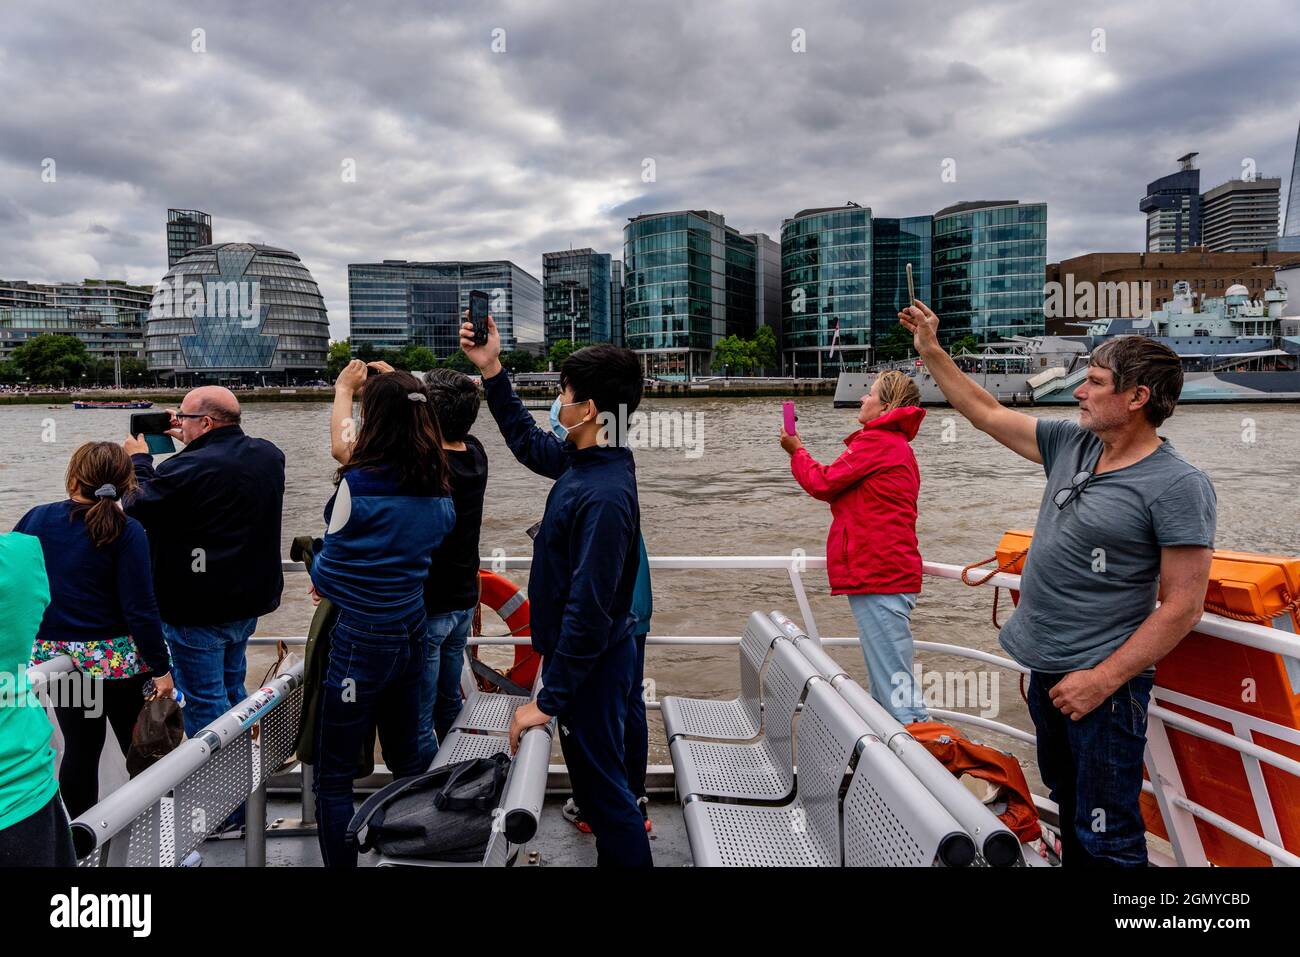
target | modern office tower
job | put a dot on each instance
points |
(1238, 216)
(826, 271)
(237, 313)
(767, 285)
(575, 296)
(1173, 208)
(894, 244)
(395, 303)
(616, 302)
(988, 269)
(187, 229)
(688, 282)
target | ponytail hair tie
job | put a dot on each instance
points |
(417, 397)
(106, 490)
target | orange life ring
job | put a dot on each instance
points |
(509, 601)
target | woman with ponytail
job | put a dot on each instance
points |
(102, 612)
(391, 508)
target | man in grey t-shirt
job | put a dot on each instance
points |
(1123, 515)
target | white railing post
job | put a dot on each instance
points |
(801, 597)
(1165, 780)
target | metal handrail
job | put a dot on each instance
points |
(98, 826)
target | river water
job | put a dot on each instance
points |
(731, 493)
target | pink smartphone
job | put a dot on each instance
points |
(787, 409)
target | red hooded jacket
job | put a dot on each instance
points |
(872, 488)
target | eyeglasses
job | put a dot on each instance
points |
(1077, 485)
(190, 415)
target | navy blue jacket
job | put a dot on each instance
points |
(586, 553)
(223, 493)
(96, 594)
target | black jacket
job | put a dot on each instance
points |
(586, 553)
(212, 512)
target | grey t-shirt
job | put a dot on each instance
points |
(1093, 567)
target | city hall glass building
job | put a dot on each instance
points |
(395, 303)
(237, 313)
(826, 282)
(576, 296)
(688, 282)
(988, 269)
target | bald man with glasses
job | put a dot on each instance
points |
(212, 512)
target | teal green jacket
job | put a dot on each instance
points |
(643, 605)
(27, 781)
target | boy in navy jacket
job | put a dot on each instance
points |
(585, 560)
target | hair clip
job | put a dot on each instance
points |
(106, 491)
(417, 397)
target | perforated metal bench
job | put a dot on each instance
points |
(803, 833)
(998, 845)
(736, 719)
(762, 770)
(487, 710)
(885, 819)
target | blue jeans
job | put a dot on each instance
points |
(885, 633)
(372, 680)
(208, 665)
(444, 659)
(1093, 770)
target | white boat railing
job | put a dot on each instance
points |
(143, 804)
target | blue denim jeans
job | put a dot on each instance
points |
(1093, 769)
(885, 633)
(208, 665)
(444, 659)
(372, 681)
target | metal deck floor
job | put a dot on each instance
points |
(557, 844)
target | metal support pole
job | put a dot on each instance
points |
(308, 799)
(255, 828)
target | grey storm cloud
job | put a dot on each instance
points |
(465, 153)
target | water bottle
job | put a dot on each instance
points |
(150, 691)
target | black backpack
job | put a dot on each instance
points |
(446, 814)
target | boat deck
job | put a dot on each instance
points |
(557, 843)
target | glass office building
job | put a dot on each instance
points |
(575, 296)
(616, 302)
(826, 280)
(988, 269)
(395, 303)
(894, 244)
(237, 313)
(688, 282)
(1173, 207)
(187, 230)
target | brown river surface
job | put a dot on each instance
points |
(737, 497)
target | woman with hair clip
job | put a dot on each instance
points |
(391, 508)
(871, 552)
(102, 612)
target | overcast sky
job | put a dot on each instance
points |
(465, 153)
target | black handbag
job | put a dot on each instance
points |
(446, 814)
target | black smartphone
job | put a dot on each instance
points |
(478, 314)
(154, 425)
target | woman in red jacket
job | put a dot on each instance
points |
(871, 551)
